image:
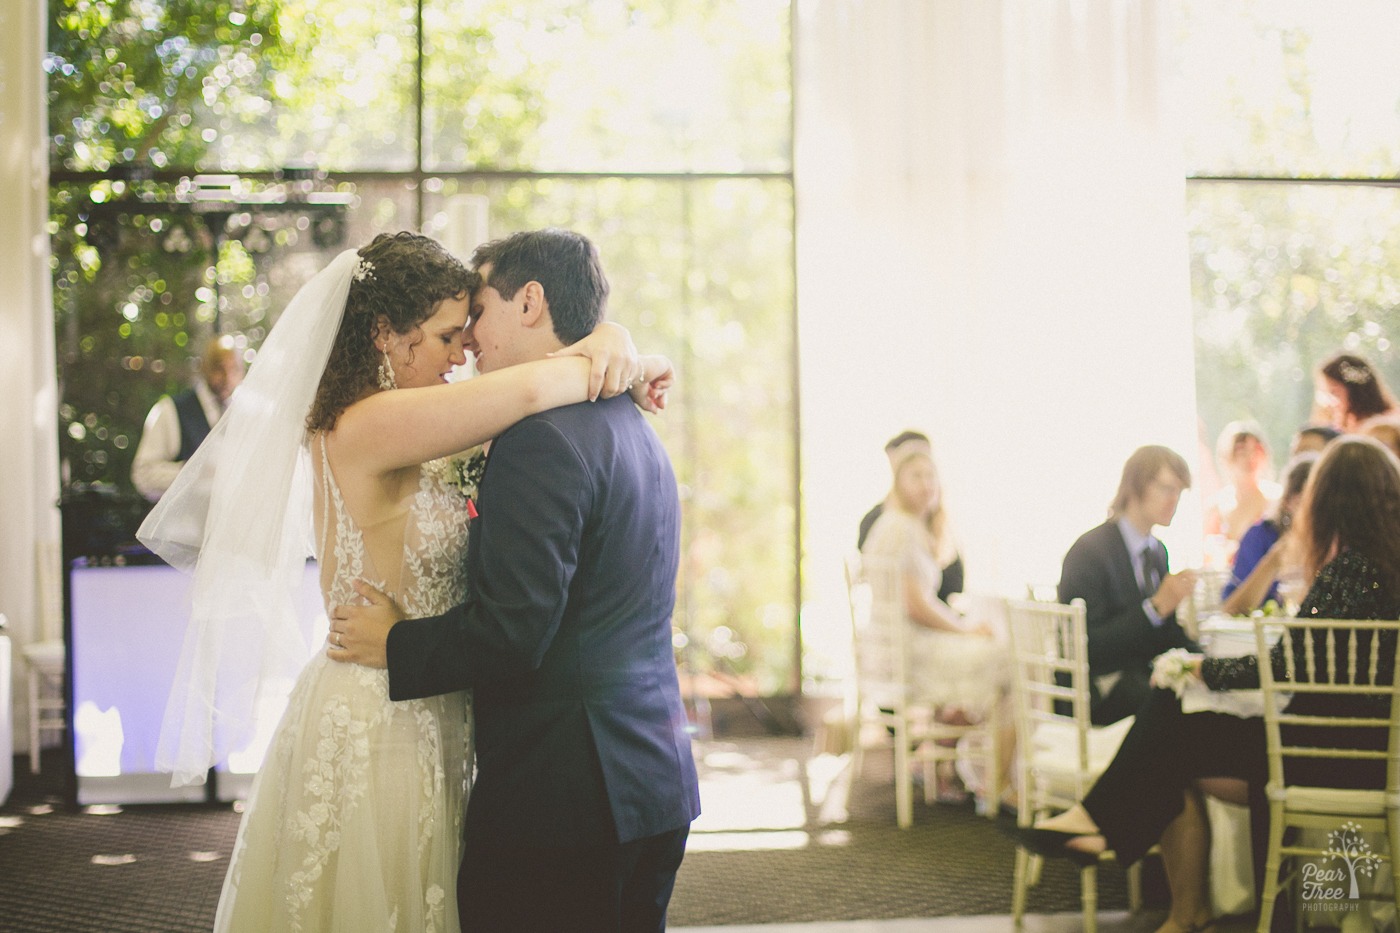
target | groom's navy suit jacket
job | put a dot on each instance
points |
(565, 636)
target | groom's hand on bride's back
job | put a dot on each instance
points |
(359, 633)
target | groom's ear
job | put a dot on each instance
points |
(534, 308)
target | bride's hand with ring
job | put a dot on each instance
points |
(613, 358)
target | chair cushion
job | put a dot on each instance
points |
(45, 655)
(1333, 800)
(1056, 746)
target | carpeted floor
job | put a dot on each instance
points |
(784, 838)
(156, 868)
(848, 860)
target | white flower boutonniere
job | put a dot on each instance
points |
(1173, 670)
(467, 471)
(462, 472)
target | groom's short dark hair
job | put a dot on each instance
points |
(565, 263)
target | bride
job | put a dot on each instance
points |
(341, 443)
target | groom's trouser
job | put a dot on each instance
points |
(617, 888)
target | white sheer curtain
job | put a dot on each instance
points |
(991, 249)
(29, 529)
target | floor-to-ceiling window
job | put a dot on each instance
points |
(1291, 118)
(208, 155)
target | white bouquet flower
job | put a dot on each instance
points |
(1173, 670)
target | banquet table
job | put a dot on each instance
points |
(1224, 637)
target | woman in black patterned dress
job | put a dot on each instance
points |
(1349, 533)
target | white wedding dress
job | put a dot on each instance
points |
(354, 821)
(951, 669)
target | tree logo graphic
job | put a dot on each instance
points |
(1348, 845)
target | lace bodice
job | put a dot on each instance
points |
(431, 576)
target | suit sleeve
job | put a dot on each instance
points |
(1117, 636)
(522, 557)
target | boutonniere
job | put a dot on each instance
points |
(463, 472)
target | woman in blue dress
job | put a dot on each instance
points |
(1254, 579)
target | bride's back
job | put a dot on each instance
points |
(403, 533)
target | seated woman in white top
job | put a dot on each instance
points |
(956, 663)
(1248, 493)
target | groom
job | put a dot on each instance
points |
(585, 786)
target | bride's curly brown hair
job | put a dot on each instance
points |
(405, 276)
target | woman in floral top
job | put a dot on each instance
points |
(1349, 535)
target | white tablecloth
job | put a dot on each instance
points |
(1231, 861)
(1224, 637)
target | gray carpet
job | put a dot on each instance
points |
(859, 865)
(135, 871)
(159, 868)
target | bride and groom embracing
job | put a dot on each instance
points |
(539, 609)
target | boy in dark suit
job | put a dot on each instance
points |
(1120, 571)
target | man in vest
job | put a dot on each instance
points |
(178, 423)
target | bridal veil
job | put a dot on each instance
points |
(238, 517)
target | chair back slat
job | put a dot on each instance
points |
(880, 629)
(1343, 683)
(891, 690)
(1050, 673)
(1309, 653)
(888, 635)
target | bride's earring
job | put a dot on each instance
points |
(386, 372)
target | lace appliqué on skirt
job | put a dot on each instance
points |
(355, 820)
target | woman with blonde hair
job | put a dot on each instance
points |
(956, 664)
(1248, 494)
(1254, 579)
